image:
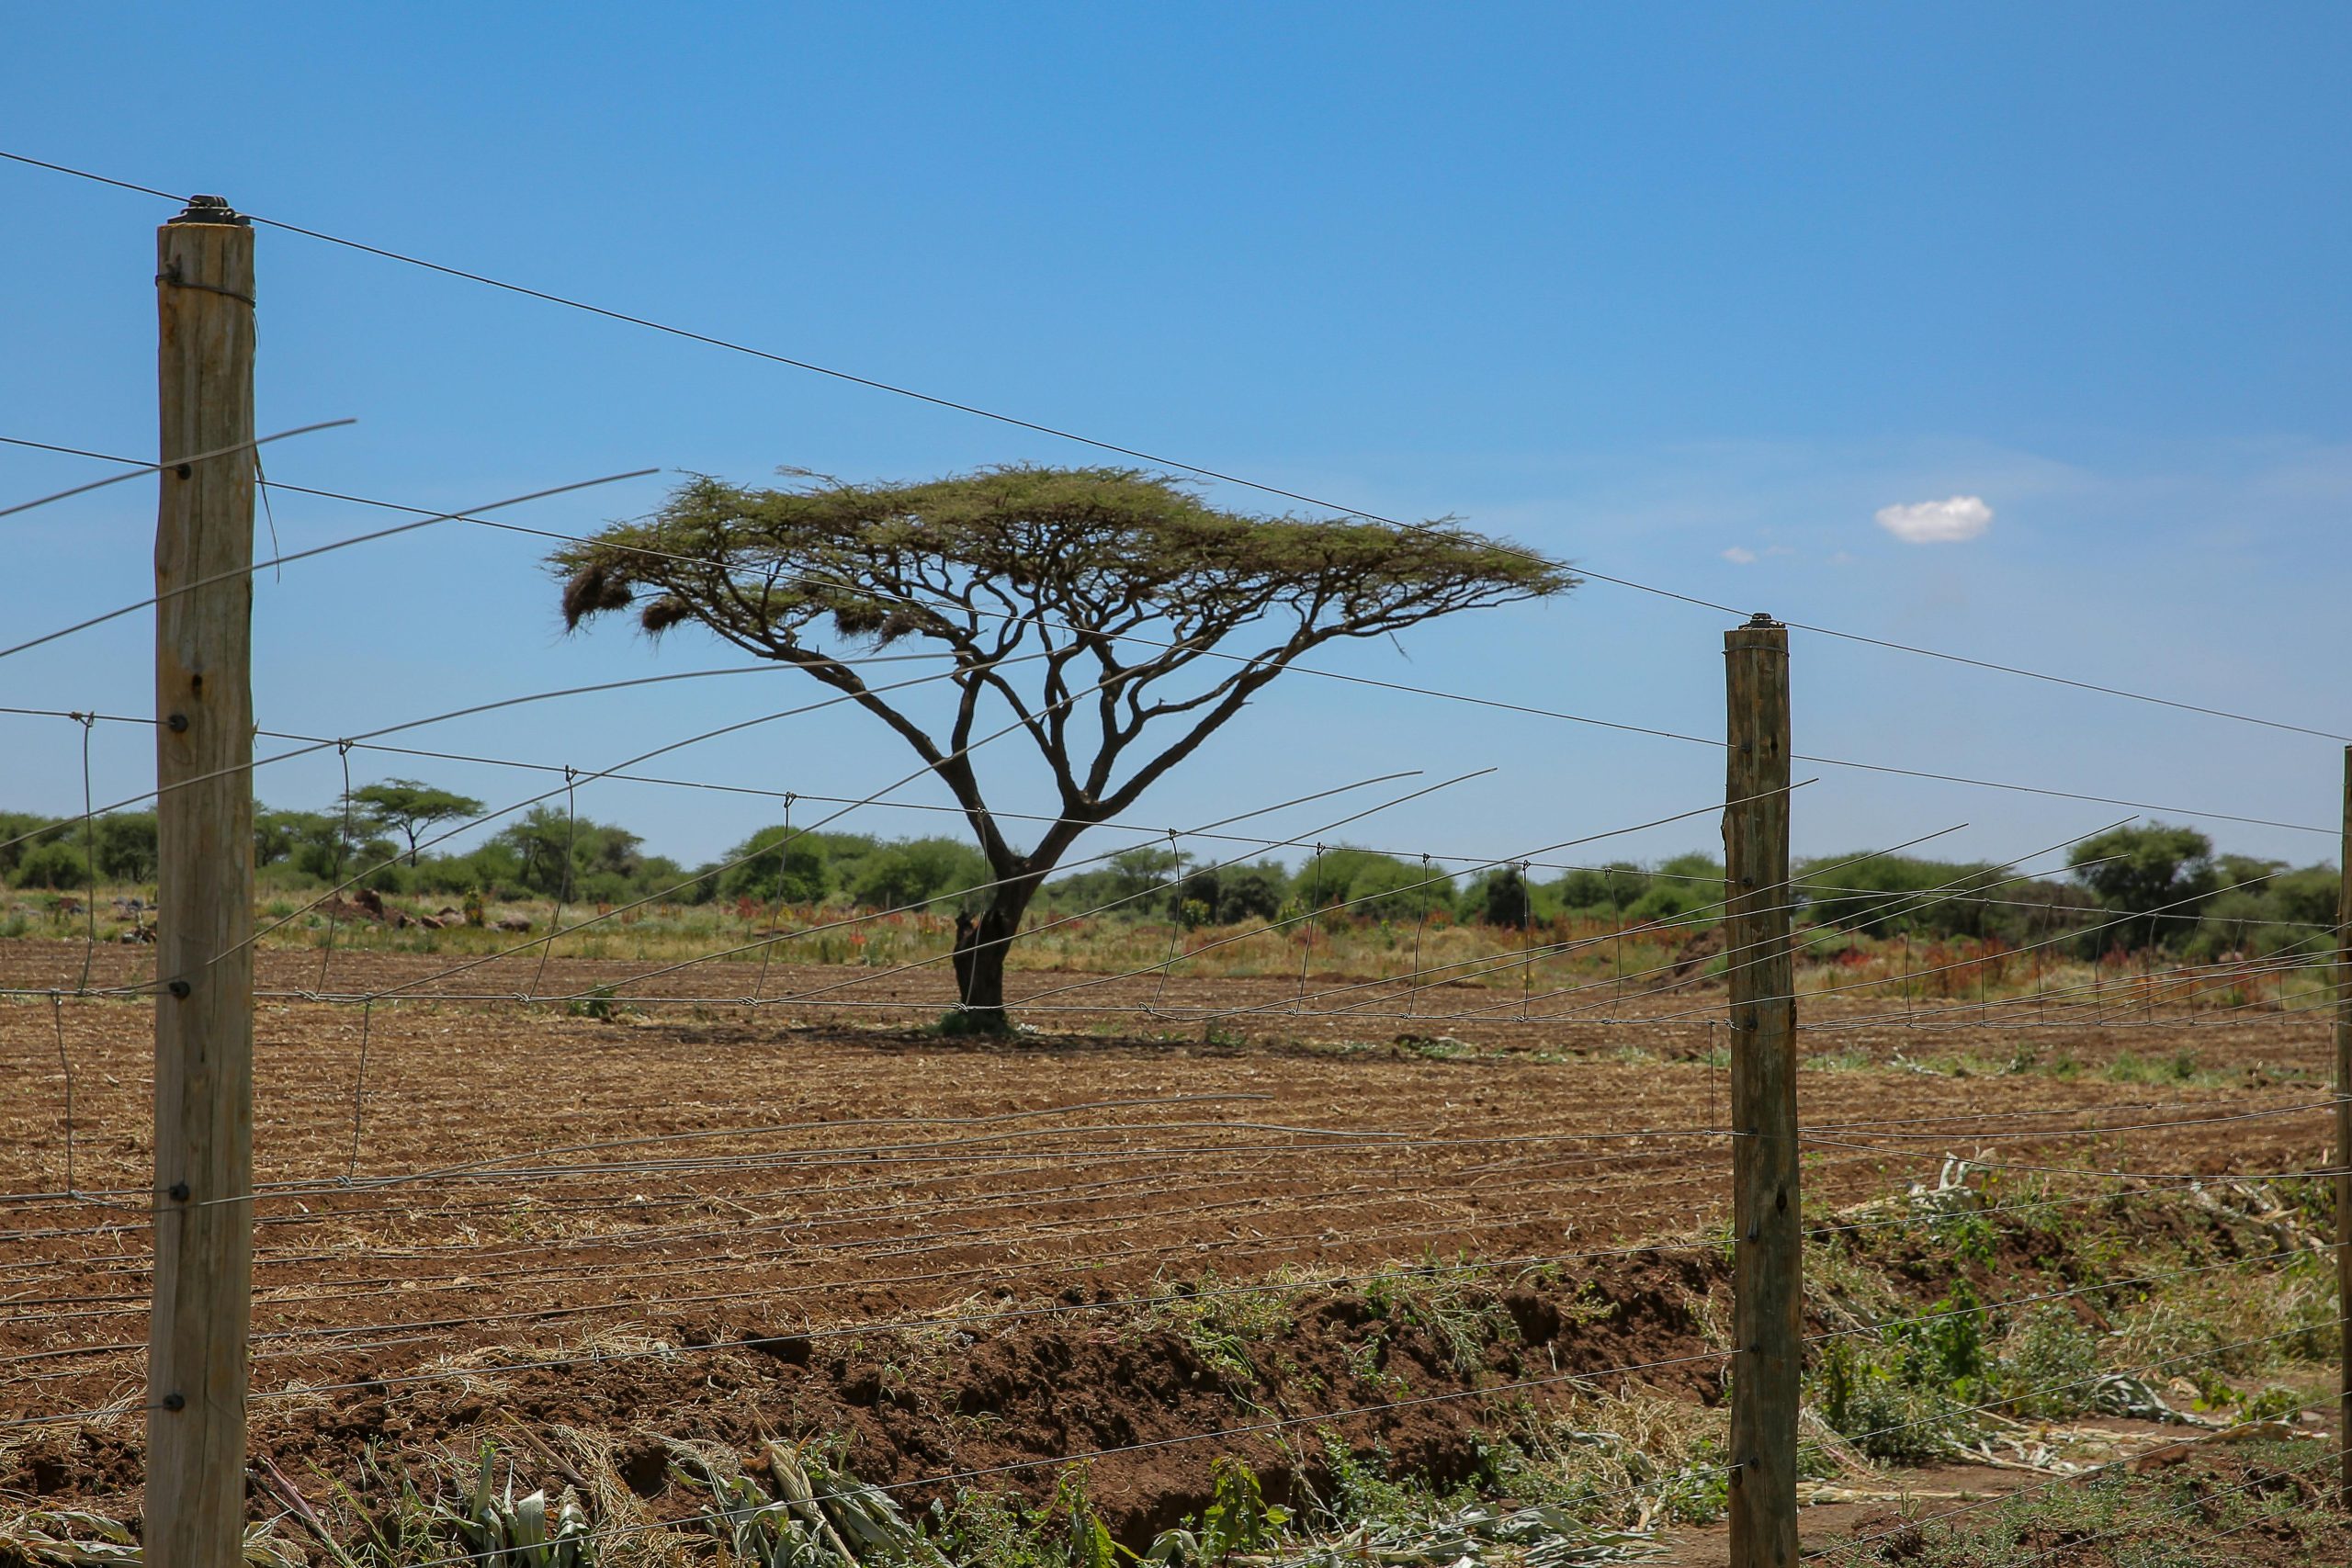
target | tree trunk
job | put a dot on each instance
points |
(979, 970)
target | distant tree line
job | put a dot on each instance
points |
(2137, 888)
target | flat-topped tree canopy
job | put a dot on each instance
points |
(1121, 588)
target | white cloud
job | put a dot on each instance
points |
(1936, 522)
(1739, 556)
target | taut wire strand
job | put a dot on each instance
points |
(139, 468)
(1140, 454)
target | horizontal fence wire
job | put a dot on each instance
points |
(1164, 1142)
(1129, 637)
(2006, 1303)
(1946, 968)
(2286, 961)
(1328, 1141)
(733, 1258)
(287, 560)
(1847, 1548)
(1806, 878)
(1509, 959)
(762, 944)
(1528, 1261)
(2100, 1129)
(2189, 1176)
(1281, 492)
(930, 1153)
(1291, 1243)
(2142, 1370)
(137, 469)
(407, 1286)
(893, 1183)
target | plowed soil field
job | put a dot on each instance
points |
(707, 1217)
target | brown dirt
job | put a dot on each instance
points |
(2212, 1473)
(825, 1173)
(990, 1401)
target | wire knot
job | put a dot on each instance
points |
(170, 278)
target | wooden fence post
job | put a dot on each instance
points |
(196, 1342)
(2343, 1143)
(1767, 1219)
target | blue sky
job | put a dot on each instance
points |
(1689, 294)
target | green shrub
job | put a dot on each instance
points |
(54, 865)
(2050, 1360)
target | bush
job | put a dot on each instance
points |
(1883, 894)
(1671, 901)
(1867, 1401)
(278, 834)
(494, 866)
(768, 869)
(1503, 899)
(541, 840)
(54, 865)
(2050, 1363)
(126, 846)
(916, 871)
(23, 825)
(1389, 889)
(2145, 871)
(1608, 891)
(1251, 893)
(1686, 885)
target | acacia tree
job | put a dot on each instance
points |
(409, 807)
(1115, 590)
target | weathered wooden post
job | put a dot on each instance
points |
(2344, 1142)
(1767, 1219)
(203, 1210)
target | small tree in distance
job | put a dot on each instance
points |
(2158, 874)
(409, 807)
(1124, 586)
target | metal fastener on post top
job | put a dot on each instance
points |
(211, 209)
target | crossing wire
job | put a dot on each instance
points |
(1696, 918)
(139, 468)
(1364, 680)
(1276, 1287)
(1496, 703)
(1616, 984)
(765, 944)
(1062, 433)
(314, 744)
(328, 548)
(2070, 936)
(1311, 917)
(1847, 1548)
(2013, 1399)
(475, 1277)
(639, 1237)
